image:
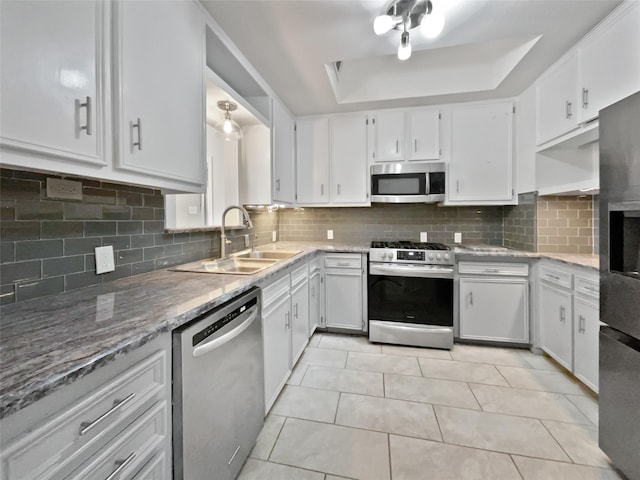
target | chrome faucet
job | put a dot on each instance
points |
(223, 237)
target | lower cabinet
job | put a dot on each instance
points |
(315, 282)
(300, 312)
(344, 291)
(556, 323)
(494, 302)
(113, 423)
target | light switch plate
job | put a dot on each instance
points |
(274, 236)
(329, 234)
(423, 236)
(457, 237)
(104, 259)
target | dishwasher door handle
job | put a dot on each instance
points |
(201, 350)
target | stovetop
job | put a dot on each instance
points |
(407, 245)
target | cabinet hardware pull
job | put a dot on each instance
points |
(88, 127)
(86, 427)
(568, 110)
(555, 277)
(339, 189)
(562, 314)
(287, 317)
(138, 126)
(343, 264)
(492, 270)
(585, 97)
(397, 146)
(295, 311)
(471, 298)
(457, 186)
(313, 291)
(121, 465)
(322, 189)
(278, 184)
(415, 145)
(581, 324)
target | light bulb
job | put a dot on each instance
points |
(404, 50)
(227, 127)
(432, 25)
(382, 24)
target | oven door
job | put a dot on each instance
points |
(407, 295)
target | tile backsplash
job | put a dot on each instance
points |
(565, 224)
(520, 223)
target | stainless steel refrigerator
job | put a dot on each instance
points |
(620, 284)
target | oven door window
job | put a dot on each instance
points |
(399, 184)
(426, 301)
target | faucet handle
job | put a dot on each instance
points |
(227, 241)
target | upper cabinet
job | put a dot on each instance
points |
(349, 172)
(52, 94)
(159, 107)
(400, 135)
(283, 138)
(312, 161)
(481, 163)
(609, 63)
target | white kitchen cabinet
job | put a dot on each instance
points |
(586, 338)
(424, 134)
(283, 137)
(556, 323)
(315, 283)
(557, 100)
(609, 63)
(52, 91)
(344, 291)
(494, 301)
(481, 163)
(349, 166)
(312, 161)
(300, 312)
(389, 137)
(159, 88)
(255, 166)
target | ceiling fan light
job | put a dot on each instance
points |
(404, 50)
(432, 25)
(382, 24)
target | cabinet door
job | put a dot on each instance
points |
(344, 298)
(312, 157)
(314, 302)
(158, 62)
(282, 131)
(481, 153)
(557, 101)
(300, 320)
(276, 325)
(349, 172)
(494, 309)
(609, 63)
(424, 134)
(389, 136)
(586, 341)
(51, 56)
(556, 325)
(255, 166)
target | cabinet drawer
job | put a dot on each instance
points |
(275, 290)
(315, 264)
(587, 286)
(75, 433)
(299, 275)
(345, 261)
(131, 449)
(494, 268)
(154, 469)
(556, 277)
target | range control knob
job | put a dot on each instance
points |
(431, 256)
(438, 256)
(446, 256)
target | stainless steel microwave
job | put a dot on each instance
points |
(408, 182)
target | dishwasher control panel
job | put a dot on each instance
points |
(229, 317)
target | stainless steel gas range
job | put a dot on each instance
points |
(410, 294)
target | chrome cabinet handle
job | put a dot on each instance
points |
(471, 298)
(287, 318)
(88, 126)
(581, 324)
(415, 145)
(585, 97)
(344, 264)
(555, 277)
(86, 427)
(295, 311)
(568, 110)
(138, 126)
(397, 146)
(278, 184)
(492, 270)
(562, 314)
(339, 189)
(120, 466)
(457, 186)
(322, 189)
(313, 291)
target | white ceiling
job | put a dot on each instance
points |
(488, 49)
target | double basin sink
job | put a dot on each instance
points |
(242, 263)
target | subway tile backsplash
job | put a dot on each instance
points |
(520, 223)
(565, 224)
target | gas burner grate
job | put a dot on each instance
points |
(407, 245)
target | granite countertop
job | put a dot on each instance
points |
(50, 342)
(589, 261)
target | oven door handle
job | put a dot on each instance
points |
(400, 271)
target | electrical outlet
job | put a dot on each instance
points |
(65, 189)
(423, 236)
(104, 259)
(329, 234)
(274, 236)
(457, 237)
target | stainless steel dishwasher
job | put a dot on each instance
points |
(218, 390)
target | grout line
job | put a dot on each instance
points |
(389, 454)
(277, 438)
(335, 414)
(435, 414)
(516, 466)
(475, 397)
(557, 442)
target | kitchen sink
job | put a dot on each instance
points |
(230, 266)
(268, 254)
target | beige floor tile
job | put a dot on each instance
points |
(342, 380)
(307, 403)
(333, 449)
(258, 470)
(314, 341)
(333, 477)
(580, 442)
(536, 469)
(349, 343)
(325, 357)
(267, 438)
(502, 433)
(388, 415)
(429, 390)
(461, 371)
(297, 375)
(376, 362)
(586, 405)
(527, 403)
(540, 362)
(416, 352)
(413, 459)
(491, 355)
(542, 380)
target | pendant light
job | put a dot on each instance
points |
(231, 129)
